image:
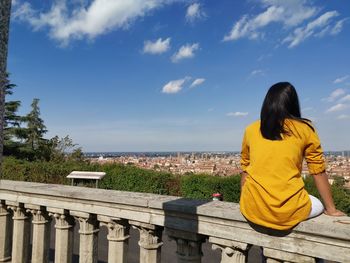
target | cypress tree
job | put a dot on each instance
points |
(35, 129)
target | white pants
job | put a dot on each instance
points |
(316, 207)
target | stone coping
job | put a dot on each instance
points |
(330, 227)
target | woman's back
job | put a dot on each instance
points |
(273, 194)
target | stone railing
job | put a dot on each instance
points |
(30, 207)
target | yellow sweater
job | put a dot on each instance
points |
(273, 194)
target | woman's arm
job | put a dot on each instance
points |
(323, 187)
(245, 158)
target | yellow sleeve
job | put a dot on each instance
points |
(314, 154)
(245, 160)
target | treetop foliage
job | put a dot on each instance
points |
(24, 135)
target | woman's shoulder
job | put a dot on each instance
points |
(304, 124)
(303, 127)
(253, 126)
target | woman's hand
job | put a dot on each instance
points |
(334, 212)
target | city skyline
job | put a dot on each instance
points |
(176, 75)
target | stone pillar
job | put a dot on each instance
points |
(64, 237)
(150, 242)
(118, 238)
(231, 251)
(6, 233)
(41, 234)
(21, 234)
(88, 231)
(189, 245)
(277, 256)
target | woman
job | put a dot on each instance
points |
(273, 149)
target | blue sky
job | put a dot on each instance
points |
(176, 75)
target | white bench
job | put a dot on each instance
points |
(86, 176)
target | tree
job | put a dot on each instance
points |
(13, 132)
(34, 146)
(61, 149)
(28, 142)
(11, 107)
(5, 11)
(339, 181)
(35, 127)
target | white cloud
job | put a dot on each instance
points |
(338, 27)
(288, 13)
(335, 95)
(78, 21)
(264, 57)
(291, 15)
(257, 72)
(197, 82)
(343, 117)
(23, 12)
(345, 98)
(194, 12)
(237, 114)
(295, 11)
(186, 51)
(338, 107)
(157, 47)
(174, 86)
(302, 33)
(340, 79)
(332, 29)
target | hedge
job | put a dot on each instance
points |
(130, 178)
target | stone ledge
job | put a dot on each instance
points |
(329, 226)
(324, 236)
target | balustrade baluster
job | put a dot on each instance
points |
(41, 233)
(118, 237)
(277, 256)
(21, 233)
(231, 251)
(6, 233)
(64, 235)
(150, 242)
(189, 245)
(88, 231)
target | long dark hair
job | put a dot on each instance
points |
(281, 102)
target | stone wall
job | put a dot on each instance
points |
(188, 222)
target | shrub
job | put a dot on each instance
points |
(40, 171)
(202, 186)
(130, 178)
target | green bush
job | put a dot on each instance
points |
(40, 171)
(130, 178)
(202, 186)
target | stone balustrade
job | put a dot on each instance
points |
(32, 207)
